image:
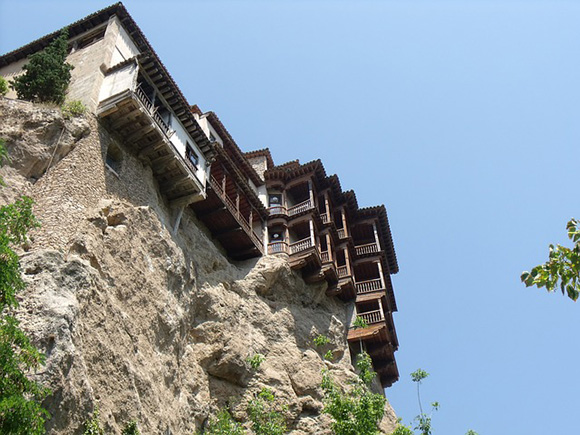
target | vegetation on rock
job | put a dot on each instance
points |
(46, 75)
(563, 267)
(72, 109)
(3, 86)
(20, 397)
(358, 411)
(266, 414)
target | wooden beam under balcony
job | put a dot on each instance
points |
(142, 131)
(227, 231)
(208, 213)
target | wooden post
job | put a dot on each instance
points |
(329, 247)
(311, 193)
(311, 227)
(224, 183)
(347, 260)
(376, 236)
(327, 205)
(265, 237)
(381, 308)
(237, 202)
(343, 214)
(380, 267)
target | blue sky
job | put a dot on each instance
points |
(460, 116)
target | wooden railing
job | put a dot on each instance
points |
(369, 286)
(341, 233)
(372, 316)
(236, 213)
(342, 271)
(277, 209)
(299, 208)
(325, 218)
(325, 257)
(152, 110)
(277, 248)
(300, 245)
(369, 248)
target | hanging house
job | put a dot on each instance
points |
(329, 238)
(251, 206)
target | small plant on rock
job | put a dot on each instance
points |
(329, 356)
(72, 109)
(131, 428)
(3, 86)
(359, 322)
(255, 360)
(321, 340)
(92, 425)
(224, 424)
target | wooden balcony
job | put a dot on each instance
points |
(300, 208)
(132, 116)
(237, 215)
(301, 245)
(278, 210)
(325, 218)
(343, 271)
(369, 248)
(371, 285)
(325, 257)
(371, 317)
(277, 248)
(342, 233)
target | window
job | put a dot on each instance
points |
(114, 158)
(191, 156)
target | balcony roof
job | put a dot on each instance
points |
(234, 151)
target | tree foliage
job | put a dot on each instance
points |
(562, 267)
(46, 75)
(224, 424)
(3, 86)
(359, 411)
(266, 415)
(20, 397)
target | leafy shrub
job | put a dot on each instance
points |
(224, 424)
(92, 425)
(72, 109)
(20, 398)
(3, 86)
(266, 415)
(46, 75)
(359, 411)
(131, 428)
(321, 340)
(359, 322)
(329, 356)
(255, 360)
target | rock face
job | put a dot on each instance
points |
(150, 322)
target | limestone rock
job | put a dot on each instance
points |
(150, 323)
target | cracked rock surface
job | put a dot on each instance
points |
(150, 323)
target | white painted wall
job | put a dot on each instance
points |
(118, 81)
(125, 48)
(179, 139)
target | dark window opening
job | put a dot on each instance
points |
(191, 156)
(114, 158)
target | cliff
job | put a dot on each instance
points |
(152, 322)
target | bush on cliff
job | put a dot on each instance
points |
(46, 75)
